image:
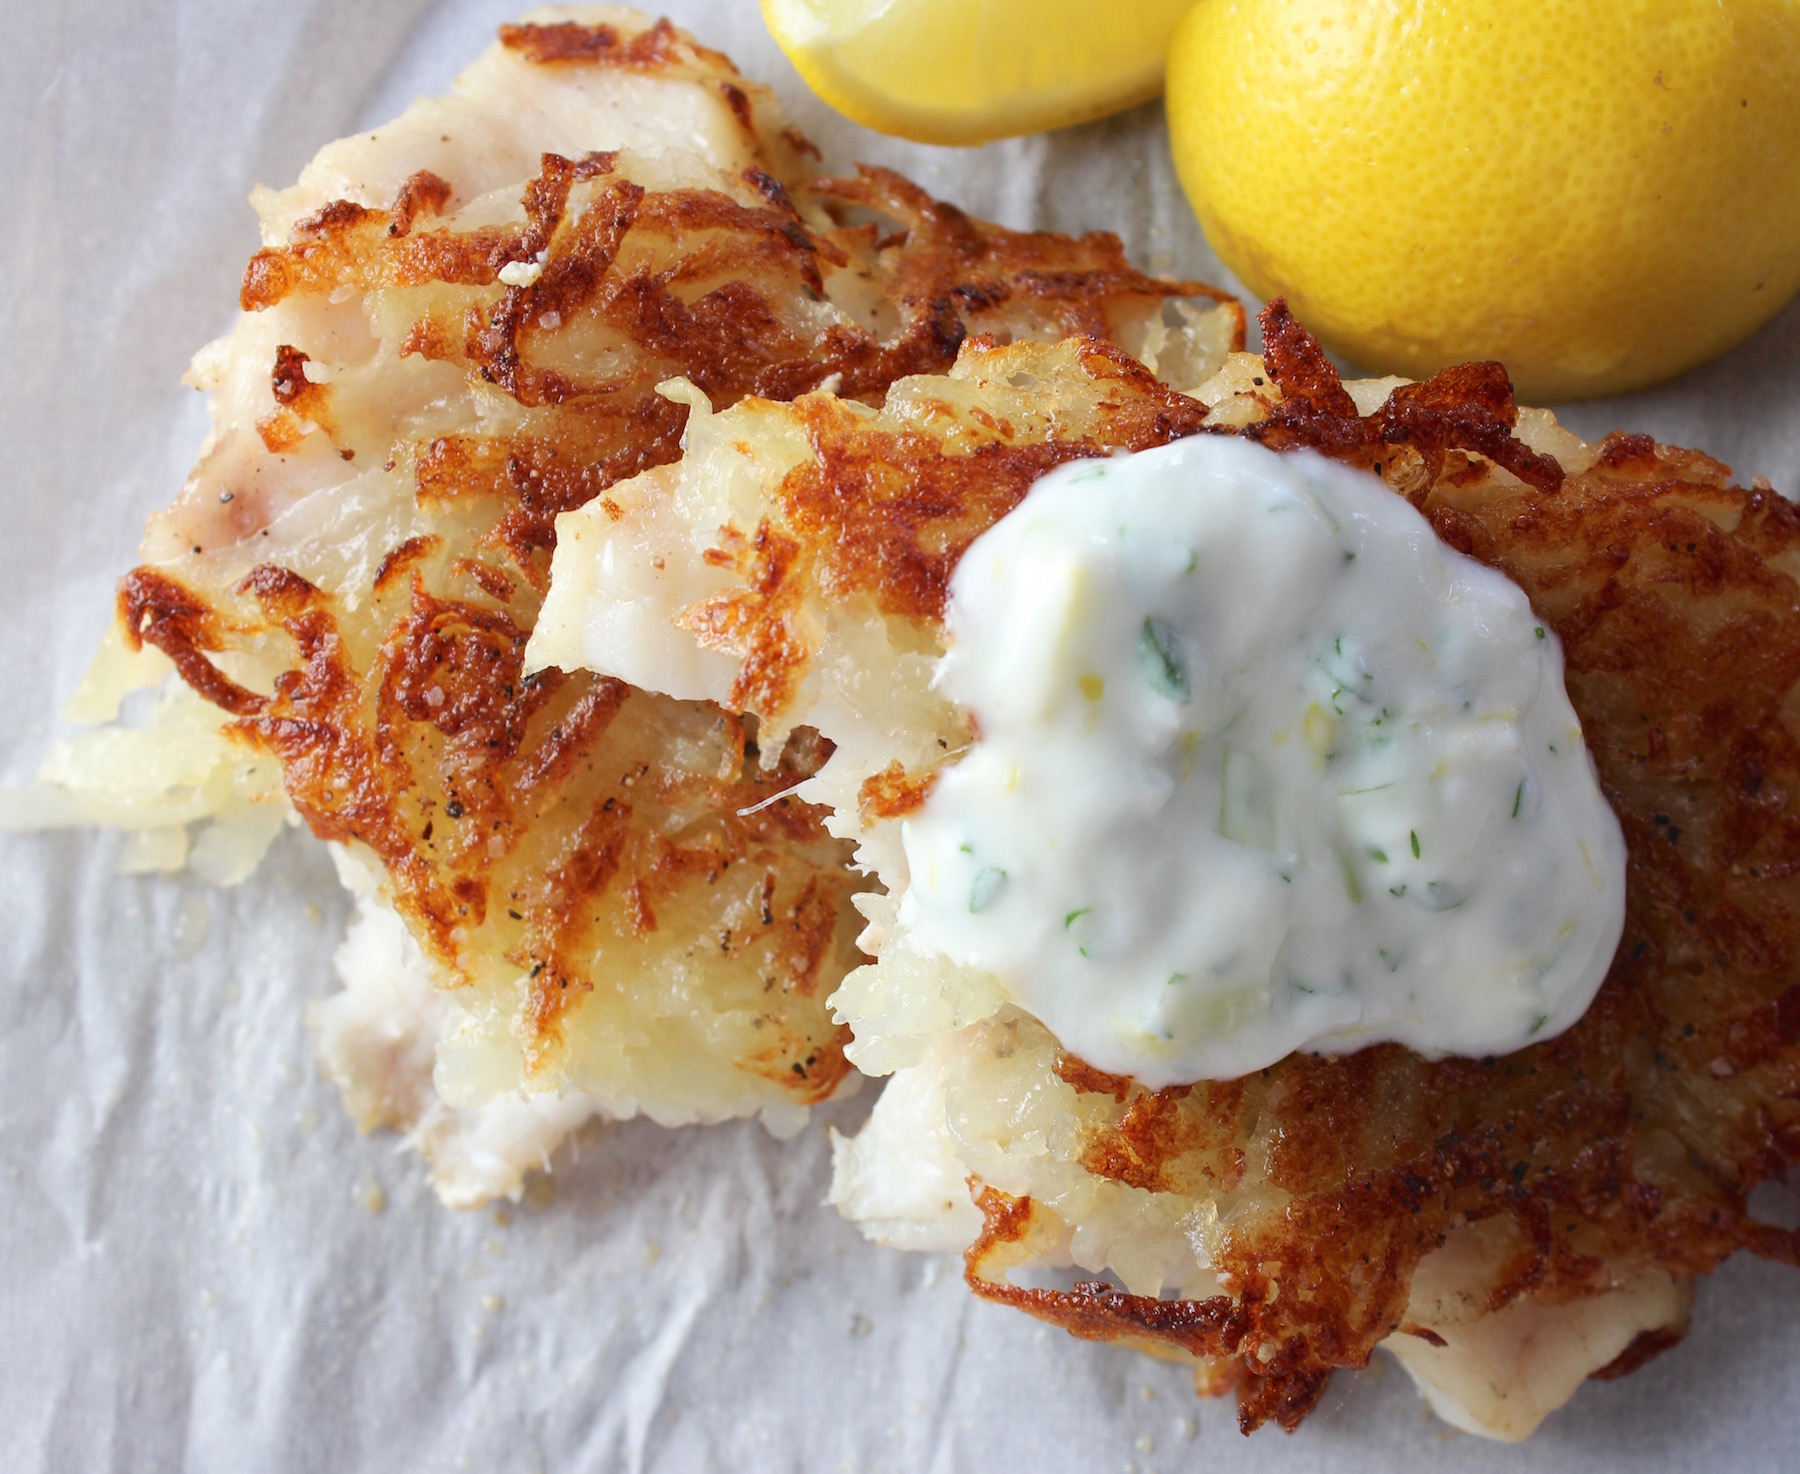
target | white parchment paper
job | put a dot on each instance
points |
(202, 1267)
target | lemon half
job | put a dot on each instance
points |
(967, 71)
(1599, 193)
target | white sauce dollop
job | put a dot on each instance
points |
(1262, 766)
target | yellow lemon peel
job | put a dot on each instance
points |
(967, 71)
(1598, 195)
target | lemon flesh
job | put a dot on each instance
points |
(1600, 195)
(967, 71)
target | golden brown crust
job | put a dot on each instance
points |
(159, 610)
(1645, 1347)
(1631, 1141)
(533, 479)
(725, 314)
(1088, 1080)
(892, 793)
(1628, 1143)
(453, 783)
(538, 822)
(762, 616)
(423, 193)
(398, 559)
(1077, 283)
(1095, 1311)
(299, 403)
(564, 41)
(890, 515)
(1152, 1134)
(1468, 407)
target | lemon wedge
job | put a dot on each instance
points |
(967, 71)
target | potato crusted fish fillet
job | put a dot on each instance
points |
(574, 895)
(1509, 1225)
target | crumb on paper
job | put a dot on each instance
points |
(192, 923)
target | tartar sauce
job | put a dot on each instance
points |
(1262, 766)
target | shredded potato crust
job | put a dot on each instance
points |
(1634, 1139)
(544, 824)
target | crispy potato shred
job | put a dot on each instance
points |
(551, 828)
(467, 364)
(1313, 1189)
(1631, 1141)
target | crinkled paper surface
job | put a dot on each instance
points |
(202, 1266)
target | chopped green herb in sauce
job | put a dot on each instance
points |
(986, 890)
(1161, 661)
